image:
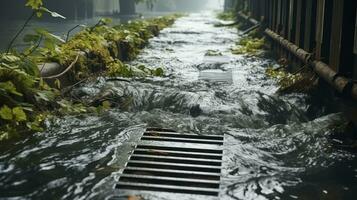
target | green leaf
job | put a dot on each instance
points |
(39, 14)
(50, 45)
(4, 135)
(19, 114)
(30, 67)
(64, 103)
(29, 108)
(6, 113)
(34, 4)
(57, 83)
(34, 126)
(44, 95)
(48, 35)
(9, 58)
(9, 87)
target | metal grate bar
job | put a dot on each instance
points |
(218, 151)
(169, 181)
(178, 153)
(174, 166)
(183, 135)
(172, 173)
(166, 188)
(166, 161)
(177, 160)
(171, 139)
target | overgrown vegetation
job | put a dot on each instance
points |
(303, 81)
(249, 45)
(104, 48)
(26, 99)
(23, 95)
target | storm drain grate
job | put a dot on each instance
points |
(167, 161)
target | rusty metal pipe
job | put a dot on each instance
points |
(321, 68)
(297, 51)
(329, 75)
(247, 18)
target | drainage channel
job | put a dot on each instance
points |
(166, 161)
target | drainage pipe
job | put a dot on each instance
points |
(342, 84)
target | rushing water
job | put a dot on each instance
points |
(274, 150)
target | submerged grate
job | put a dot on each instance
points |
(167, 161)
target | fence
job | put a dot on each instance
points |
(321, 33)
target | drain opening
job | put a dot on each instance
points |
(167, 161)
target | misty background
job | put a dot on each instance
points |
(13, 14)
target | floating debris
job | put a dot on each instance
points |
(249, 45)
(301, 82)
(213, 53)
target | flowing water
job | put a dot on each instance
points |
(274, 149)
